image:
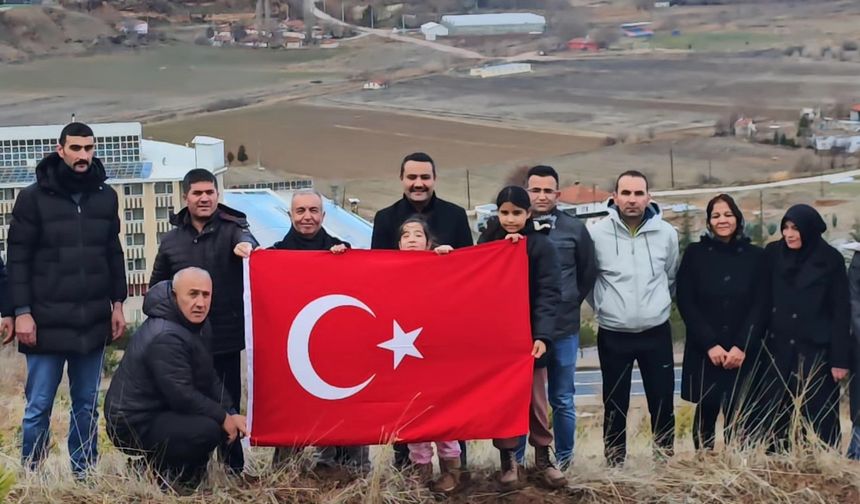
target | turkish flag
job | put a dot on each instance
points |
(372, 347)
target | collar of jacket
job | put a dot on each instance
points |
(650, 221)
(404, 206)
(48, 179)
(222, 213)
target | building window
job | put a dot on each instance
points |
(5, 219)
(162, 213)
(7, 194)
(133, 189)
(164, 188)
(159, 236)
(135, 239)
(133, 214)
(135, 265)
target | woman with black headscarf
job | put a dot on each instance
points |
(808, 346)
(719, 292)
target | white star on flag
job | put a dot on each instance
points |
(402, 344)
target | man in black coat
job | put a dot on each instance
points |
(7, 323)
(448, 224)
(214, 237)
(165, 401)
(307, 216)
(67, 282)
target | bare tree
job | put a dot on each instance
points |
(517, 176)
(643, 5)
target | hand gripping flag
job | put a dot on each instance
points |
(372, 347)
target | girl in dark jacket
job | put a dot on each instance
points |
(514, 223)
(808, 345)
(719, 293)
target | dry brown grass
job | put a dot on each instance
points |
(809, 474)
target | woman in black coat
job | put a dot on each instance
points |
(514, 223)
(808, 347)
(719, 291)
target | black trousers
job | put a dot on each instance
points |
(228, 366)
(402, 460)
(708, 410)
(652, 350)
(176, 446)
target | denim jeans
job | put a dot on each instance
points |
(44, 372)
(854, 447)
(561, 366)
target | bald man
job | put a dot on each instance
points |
(165, 400)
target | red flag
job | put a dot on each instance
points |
(370, 347)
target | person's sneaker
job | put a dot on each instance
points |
(449, 481)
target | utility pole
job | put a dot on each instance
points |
(371, 16)
(761, 217)
(468, 191)
(710, 178)
(672, 167)
(342, 12)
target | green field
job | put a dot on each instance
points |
(715, 41)
(173, 69)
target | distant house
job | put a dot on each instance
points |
(20, 2)
(494, 24)
(500, 70)
(582, 44)
(432, 30)
(847, 143)
(133, 26)
(375, 85)
(584, 200)
(855, 112)
(329, 44)
(745, 127)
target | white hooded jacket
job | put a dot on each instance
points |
(635, 271)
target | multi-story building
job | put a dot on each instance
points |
(146, 175)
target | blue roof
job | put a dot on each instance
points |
(121, 171)
(268, 215)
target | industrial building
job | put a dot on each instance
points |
(493, 24)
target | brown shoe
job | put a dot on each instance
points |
(449, 480)
(549, 475)
(423, 472)
(510, 474)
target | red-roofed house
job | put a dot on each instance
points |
(585, 200)
(855, 112)
(745, 127)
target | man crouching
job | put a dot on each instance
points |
(165, 401)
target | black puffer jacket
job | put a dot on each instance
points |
(65, 258)
(166, 367)
(211, 250)
(544, 281)
(448, 223)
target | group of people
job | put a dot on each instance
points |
(764, 326)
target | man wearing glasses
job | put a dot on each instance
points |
(67, 284)
(578, 273)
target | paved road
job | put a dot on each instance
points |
(457, 51)
(755, 187)
(589, 383)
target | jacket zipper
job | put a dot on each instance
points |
(81, 249)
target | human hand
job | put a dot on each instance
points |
(117, 321)
(514, 237)
(538, 349)
(25, 329)
(718, 355)
(243, 249)
(443, 249)
(734, 358)
(7, 329)
(338, 249)
(839, 374)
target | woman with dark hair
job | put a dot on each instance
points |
(513, 224)
(808, 346)
(719, 293)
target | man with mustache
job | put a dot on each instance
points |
(447, 222)
(67, 283)
(213, 237)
